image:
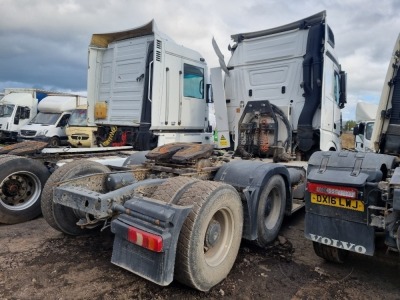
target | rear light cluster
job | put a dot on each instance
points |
(331, 190)
(144, 239)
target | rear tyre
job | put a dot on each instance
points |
(330, 253)
(210, 237)
(171, 190)
(21, 183)
(60, 217)
(271, 210)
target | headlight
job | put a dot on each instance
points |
(42, 132)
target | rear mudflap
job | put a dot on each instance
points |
(154, 217)
(339, 233)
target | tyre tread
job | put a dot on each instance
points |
(166, 191)
(197, 196)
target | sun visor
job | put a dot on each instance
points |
(314, 19)
(102, 40)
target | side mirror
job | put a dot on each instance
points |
(355, 130)
(359, 129)
(16, 120)
(343, 89)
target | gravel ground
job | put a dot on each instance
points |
(37, 262)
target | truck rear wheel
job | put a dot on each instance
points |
(172, 188)
(271, 210)
(330, 253)
(60, 217)
(211, 234)
(21, 183)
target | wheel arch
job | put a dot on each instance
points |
(249, 178)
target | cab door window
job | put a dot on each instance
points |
(336, 88)
(193, 81)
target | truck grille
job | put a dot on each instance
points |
(28, 132)
(82, 137)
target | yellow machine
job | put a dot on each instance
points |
(80, 133)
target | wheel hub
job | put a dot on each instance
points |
(15, 190)
(11, 188)
(213, 233)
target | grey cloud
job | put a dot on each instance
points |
(44, 42)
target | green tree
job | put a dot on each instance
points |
(349, 125)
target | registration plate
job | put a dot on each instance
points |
(351, 204)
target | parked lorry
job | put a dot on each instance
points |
(352, 197)
(181, 210)
(50, 123)
(17, 108)
(365, 118)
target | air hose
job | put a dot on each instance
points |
(110, 137)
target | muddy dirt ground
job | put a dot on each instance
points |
(37, 262)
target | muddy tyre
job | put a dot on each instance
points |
(171, 190)
(330, 253)
(211, 234)
(60, 217)
(271, 210)
(21, 184)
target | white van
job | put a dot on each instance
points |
(50, 123)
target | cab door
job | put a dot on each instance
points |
(193, 107)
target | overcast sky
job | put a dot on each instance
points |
(44, 42)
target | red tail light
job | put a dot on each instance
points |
(331, 190)
(144, 239)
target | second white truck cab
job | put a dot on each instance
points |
(365, 118)
(50, 123)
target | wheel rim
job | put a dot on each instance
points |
(19, 190)
(218, 237)
(272, 209)
(54, 142)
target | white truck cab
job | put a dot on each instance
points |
(17, 108)
(365, 118)
(50, 123)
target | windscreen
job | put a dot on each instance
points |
(45, 118)
(6, 110)
(78, 118)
